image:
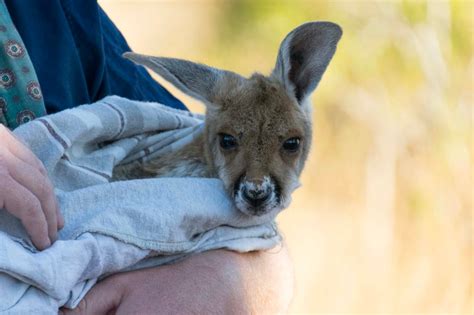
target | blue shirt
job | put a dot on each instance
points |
(77, 51)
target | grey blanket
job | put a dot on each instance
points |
(116, 226)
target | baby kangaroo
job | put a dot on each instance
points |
(257, 130)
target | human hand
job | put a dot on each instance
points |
(214, 282)
(26, 191)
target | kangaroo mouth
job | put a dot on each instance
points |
(257, 202)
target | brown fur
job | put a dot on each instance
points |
(261, 112)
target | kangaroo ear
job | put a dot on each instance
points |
(196, 80)
(304, 55)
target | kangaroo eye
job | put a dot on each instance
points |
(292, 145)
(227, 142)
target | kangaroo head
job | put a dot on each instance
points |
(258, 129)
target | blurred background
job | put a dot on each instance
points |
(383, 222)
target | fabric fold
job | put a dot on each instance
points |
(117, 226)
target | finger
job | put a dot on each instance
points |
(21, 203)
(39, 185)
(17, 148)
(102, 299)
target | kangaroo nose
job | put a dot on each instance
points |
(257, 196)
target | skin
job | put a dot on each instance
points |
(215, 282)
(26, 192)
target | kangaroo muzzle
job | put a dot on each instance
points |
(256, 196)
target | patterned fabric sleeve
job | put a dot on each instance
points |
(21, 99)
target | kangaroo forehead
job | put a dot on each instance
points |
(267, 94)
(260, 96)
(257, 92)
(258, 105)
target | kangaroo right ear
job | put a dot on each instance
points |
(197, 80)
(304, 55)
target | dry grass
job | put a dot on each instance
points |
(383, 222)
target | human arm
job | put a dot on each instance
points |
(26, 192)
(214, 282)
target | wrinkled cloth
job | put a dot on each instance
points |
(116, 226)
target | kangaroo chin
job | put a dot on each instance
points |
(258, 130)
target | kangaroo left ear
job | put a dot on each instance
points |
(197, 80)
(304, 55)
